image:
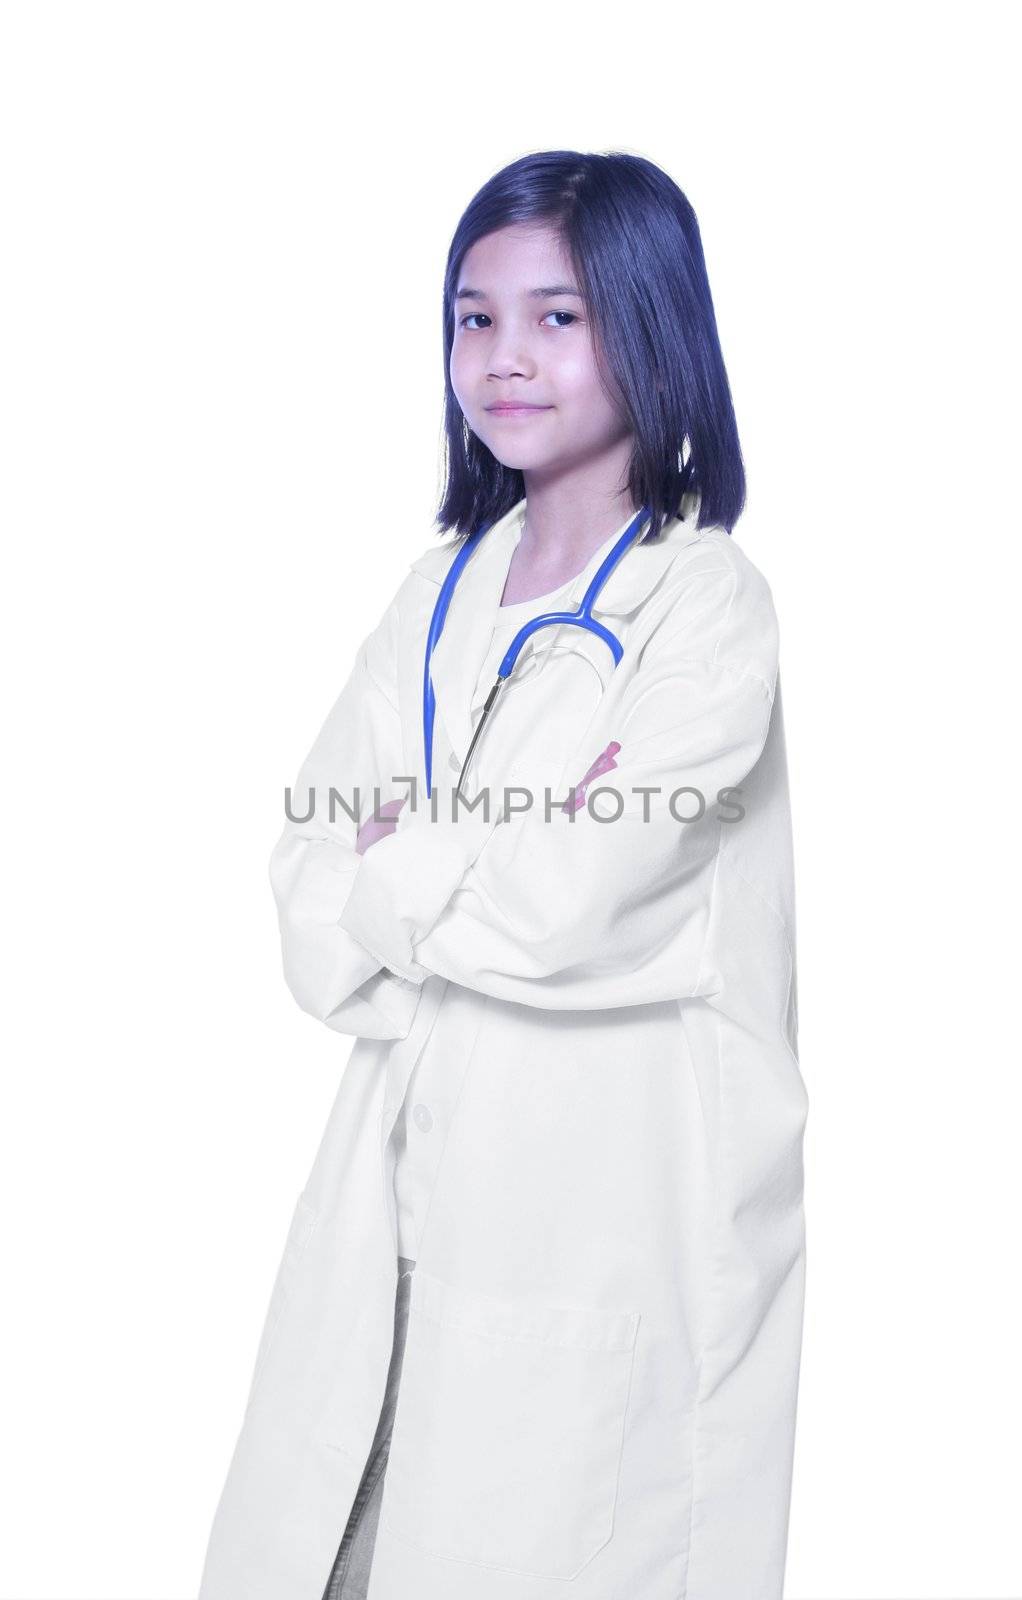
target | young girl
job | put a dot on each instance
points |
(536, 1331)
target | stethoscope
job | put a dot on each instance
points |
(582, 618)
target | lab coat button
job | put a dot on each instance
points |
(454, 763)
(423, 1118)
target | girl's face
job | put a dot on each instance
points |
(522, 334)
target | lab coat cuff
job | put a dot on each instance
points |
(404, 882)
(393, 998)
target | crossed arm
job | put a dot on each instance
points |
(574, 911)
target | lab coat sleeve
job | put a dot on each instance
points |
(581, 911)
(332, 976)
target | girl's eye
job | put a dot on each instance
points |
(571, 316)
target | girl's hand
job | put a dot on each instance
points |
(603, 763)
(379, 826)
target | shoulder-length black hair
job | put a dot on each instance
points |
(633, 239)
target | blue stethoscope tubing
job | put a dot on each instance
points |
(582, 618)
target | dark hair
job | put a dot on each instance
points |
(633, 239)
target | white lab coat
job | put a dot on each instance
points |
(599, 1388)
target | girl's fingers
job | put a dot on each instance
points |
(604, 762)
(373, 831)
(390, 808)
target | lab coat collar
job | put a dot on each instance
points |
(455, 670)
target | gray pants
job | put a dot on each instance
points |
(349, 1578)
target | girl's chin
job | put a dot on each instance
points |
(520, 453)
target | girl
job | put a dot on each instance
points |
(537, 1326)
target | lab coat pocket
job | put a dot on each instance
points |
(303, 1223)
(509, 1428)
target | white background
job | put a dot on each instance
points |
(226, 228)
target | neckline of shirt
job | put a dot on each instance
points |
(520, 610)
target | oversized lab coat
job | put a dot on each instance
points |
(600, 1379)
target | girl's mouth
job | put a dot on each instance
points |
(517, 411)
